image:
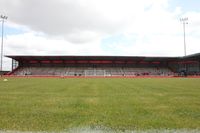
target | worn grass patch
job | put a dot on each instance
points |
(53, 104)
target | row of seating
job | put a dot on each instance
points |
(90, 71)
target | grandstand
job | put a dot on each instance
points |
(104, 65)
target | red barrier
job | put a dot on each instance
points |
(12, 76)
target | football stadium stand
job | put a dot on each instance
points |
(104, 65)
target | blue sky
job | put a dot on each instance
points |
(100, 27)
(9, 30)
(186, 5)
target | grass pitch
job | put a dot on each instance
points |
(55, 104)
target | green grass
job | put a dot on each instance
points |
(42, 104)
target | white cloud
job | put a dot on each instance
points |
(32, 44)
